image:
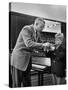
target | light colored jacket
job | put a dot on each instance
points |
(26, 42)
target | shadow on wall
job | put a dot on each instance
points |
(17, 22)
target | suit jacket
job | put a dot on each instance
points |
(26, 42)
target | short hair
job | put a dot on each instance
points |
(59, 36)
(39, 19)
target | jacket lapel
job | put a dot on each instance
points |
(33, 32)
(35, 35)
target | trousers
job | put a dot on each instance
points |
(21, 78)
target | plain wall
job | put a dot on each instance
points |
(54, 12)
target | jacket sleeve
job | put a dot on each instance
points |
(27, 37)
(60, 53)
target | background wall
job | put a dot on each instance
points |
(55, 12)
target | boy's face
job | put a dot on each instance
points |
(58, 41)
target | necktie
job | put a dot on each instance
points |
(36, 36)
